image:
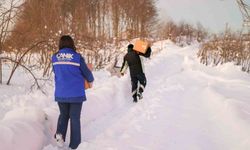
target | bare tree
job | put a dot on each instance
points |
(7, 16)
(1, 43)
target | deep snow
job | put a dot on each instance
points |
(186, 105)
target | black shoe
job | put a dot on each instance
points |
(140, 95)
(135, 100)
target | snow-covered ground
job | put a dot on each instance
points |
(186, 106)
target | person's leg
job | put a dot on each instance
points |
(134, 83)
(143, 81)
(75, 125)
(63, 119)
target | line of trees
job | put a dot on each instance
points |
(182, 33)
(226, 47)
(87, 20)
(95, 25)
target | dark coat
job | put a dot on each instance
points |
(133, 61)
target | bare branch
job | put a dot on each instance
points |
(26, 68)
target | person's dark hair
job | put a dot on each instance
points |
(66, 42)
(131, 46)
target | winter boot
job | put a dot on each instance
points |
(135, 100)
(59, 140)
(140, 95)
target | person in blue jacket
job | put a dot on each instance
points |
(70, 72)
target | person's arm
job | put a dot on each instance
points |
(147, 54)
(87, 74)
(124, 66)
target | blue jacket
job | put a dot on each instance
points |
(70, 71)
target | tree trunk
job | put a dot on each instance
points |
(1, 72)
(1, 68)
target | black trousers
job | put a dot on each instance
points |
(141, 79)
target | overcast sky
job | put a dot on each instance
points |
(213, 14)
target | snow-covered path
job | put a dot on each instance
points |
(186, 105)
